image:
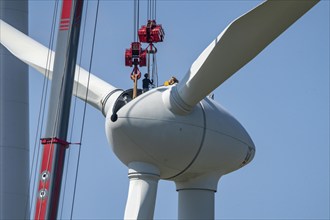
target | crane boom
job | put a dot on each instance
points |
(55, 144)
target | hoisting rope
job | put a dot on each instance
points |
(73, 117)
(136, 56)
(136, 74)
(136, 19)
(83, 121)
(151, 49)
(151, 10)
(85, 106)
(41, 115)
(50, 144)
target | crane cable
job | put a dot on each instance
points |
(73, 117)
(151, 10)
(136, 19)
(151, 15)
(82, 126)
(55, 125)
(41, 114)
(53, 131)
(85, 105)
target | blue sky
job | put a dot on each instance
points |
(281, 98)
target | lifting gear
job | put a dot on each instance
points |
(151, 54)
(136, 74)
(151, 33)
(135, 55)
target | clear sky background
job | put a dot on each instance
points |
(281, 98)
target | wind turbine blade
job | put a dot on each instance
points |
(239, 43)
(42, 59)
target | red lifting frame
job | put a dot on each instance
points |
(151, 33)
(135, 55)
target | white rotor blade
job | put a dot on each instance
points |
(239, 43)
(42, 59)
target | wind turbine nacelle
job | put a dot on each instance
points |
(207, 140)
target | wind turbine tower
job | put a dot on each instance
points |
(14, 120)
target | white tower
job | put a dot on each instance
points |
(14, 120)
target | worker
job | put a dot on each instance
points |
(146, 82)
(171, 81)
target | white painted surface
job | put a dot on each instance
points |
(239, 43)
(42, 59)
(196, 204)
(143, 182)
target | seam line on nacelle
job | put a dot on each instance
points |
(200, 146)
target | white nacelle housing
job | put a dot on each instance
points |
(207, 140)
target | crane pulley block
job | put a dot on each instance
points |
(151, 33)
(135, 55)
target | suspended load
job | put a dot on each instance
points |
(135, 55)
(151, 33)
